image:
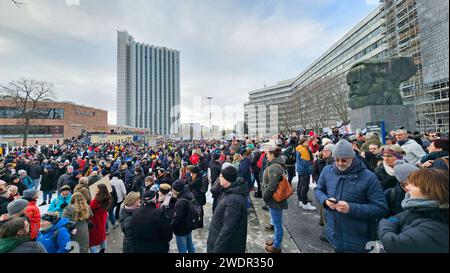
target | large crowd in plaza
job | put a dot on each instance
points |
(394, 193)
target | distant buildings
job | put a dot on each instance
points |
(317, 98)
(53, 121)
(148, 86)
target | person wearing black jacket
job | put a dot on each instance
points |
(138, 180)
(228, 229)
(151, 228)
(47, 185)
(131, 203)
(183, 235)
(214, 172)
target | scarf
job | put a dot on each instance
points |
(409, 203)
(389, 170)
(434, 156)
(9, 243)
(402, 142)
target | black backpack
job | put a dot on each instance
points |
(194, 217)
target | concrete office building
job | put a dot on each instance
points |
(419, 28)
(317, 97)
(148, 86)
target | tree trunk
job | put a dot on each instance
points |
(25, 133)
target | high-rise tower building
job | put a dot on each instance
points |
(148, 86)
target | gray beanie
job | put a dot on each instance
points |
(343, 149)
(402, 170)
(17, 206)
(329, 147)
(28, 194)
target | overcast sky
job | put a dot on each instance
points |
(228, 48)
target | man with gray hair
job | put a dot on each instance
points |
(352, 198)
(414, 152)
(65, 178)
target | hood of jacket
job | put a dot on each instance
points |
(52, 228)
(356, 167)
(186, 193)
(279, 160)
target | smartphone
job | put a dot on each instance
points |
(333, 201)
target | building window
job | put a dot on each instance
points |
(40, 113)
(35, 131)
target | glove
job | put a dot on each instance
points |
(63, 205)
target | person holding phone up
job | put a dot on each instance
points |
(352, 198)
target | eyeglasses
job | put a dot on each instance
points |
(388, 155)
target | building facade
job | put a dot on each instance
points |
(419, 29)
(53, 121)
(148, 86)
(317, 98)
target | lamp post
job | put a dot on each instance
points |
(210, 125)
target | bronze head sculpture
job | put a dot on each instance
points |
(376, 82)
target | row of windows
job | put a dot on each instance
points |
(36, 131)
(40, 113)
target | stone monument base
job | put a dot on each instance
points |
(394, 116)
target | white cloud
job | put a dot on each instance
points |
(226, 50)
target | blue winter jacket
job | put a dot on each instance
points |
(361, 189)
(55, 206)
(303, 167)
(55, 243)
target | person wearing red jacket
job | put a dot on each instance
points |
(99, 205)
(32, 212)
(194, 159)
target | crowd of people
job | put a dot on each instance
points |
(396, 193)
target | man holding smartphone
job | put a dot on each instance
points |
(352, 198)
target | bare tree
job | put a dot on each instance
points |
(339, 99)
(25, 94)
(17, 3)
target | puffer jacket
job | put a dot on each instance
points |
(418, 230)
(360, 188)
(271, 179)
(129, 236)
(60, 203)
(34, 215)
(228, 229)
(55, 244)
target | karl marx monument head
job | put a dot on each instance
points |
(376, 82)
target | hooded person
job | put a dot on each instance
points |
(151, 228)
(228, 228)
(54, 234)
(32, 212)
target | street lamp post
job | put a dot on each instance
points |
(210, 125)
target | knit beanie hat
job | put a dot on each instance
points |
(230, 174)
(402, 170)
(17, 206)
(178, 186)
(329, 147)
(343, 149)
(65, 188)
(29, 194)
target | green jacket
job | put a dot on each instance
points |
(9, 243)
(271, 179)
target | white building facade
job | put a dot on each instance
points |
(148, 86)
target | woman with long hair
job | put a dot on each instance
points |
(78, 211)
(99, 205)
